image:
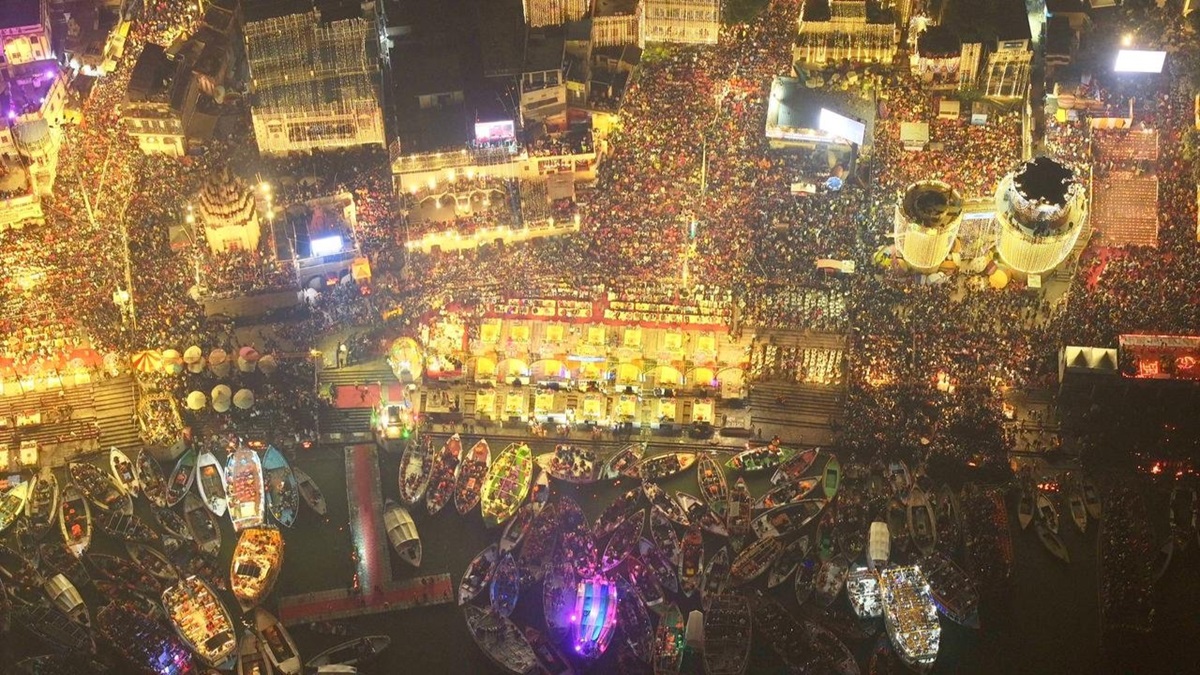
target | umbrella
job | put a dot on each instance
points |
(998, 279)
(267, 364)
(172, 362)
(217, 356)
(196, 400)
(244, 398)
(221, 405)
(147, 361)
(248, 354)
(192, 355)
(171, 355)
(221, 392)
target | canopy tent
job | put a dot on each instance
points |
(221, 405)
(247, 359)
(196, 400)
(221, 392)
(147, 361)
(268, 364)
(172, 362)
(192, 355)
(243, 399)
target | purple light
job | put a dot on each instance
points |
(579, 649)
(12, 114)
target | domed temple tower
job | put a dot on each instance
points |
(926, 223)
(1041, 208)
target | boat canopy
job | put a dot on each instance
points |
(879, 543)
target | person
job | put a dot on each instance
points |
(343, 355)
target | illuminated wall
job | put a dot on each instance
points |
(1036, 237)
(926, 224)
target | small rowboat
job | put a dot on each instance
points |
(691, 560)
(123, 472)
(442, 475)
(150, 478)
(356, 652)
(796, 467)
(727, 631)
(662, 533)
(549, 657)
(515, 529)
(741, 510)
(570, 464)
(309, 491)
(1026, 506)
(57, 559)
(635, 622)
(478, 574)
(713, 488)
(75, 520)
(623, 461)
(662, 567)
(506, 484)
(1079, 514)
(506, 586)
(787, 493)
(251, 660)
(787, 562)
(664, 504)
(42, 507)
(210, 479)
(921, 524)
(128, 528)
(122, 572)
(99, 488)
(669, 642)
(624, 540)
(1047, 512)
(254, 567)
(283, 492)
(538, 544)
(613, 514)
(643, 580)
(171, 523)
(501, 640)
(806, 578)
(246, 493)
(276, 644)
(716, 575)
(416, 465)
(539, 494)
(760, 459)
(12, 505)
(754, 560)
(787, 520)
(1052, 542)
(831, 477)
(402, 533)
(663, 466)
(831, 579)
(1091, 498)
(203, 525)
(558, 593)
(182, 477)
(699, 512)
(153, 562)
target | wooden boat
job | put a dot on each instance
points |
(49, 623)
(501, 640)
(402, 533)
(255, 565)
(777, 627)
(538, 544)
(251, 660)
(760, 459)
(283, 492)
(570, 464)
(201, 621)
(789, 558)
(122, 572)
(559, 588)
(623, 461)
(12, 504)
(506, 484)
(787, 520)
(643, 581)
(1052, 541)
(662, 533)
(754, 560)
(826, 527)
(635, 623)
(244, 486)
(948, 518)
(182, 477)
(787, 493)
(713, 488)
(663, 466)
(171, 523)
(1091, 498)
(505, 588)
(828, 652)
(899, 477)
(575, 537)
(952, 589)
(617, 511)
(127, 527)
(309, 491)
(150, 479)
(921, 524)
(795, 467)
(669, 642)
(478, 574)
(75, 520)
(727, 632)
(741, 511)
(539, 495)
(862, 588)
(153, 562)
(276, 644)
(357, 652)
(663, 504)
(594, 617)
(66, 598)
(1162, 561)
(1025, 506)
(1047, 512)
(469, 481)
(806, 578)
(624, 540)
(831, 477)
(123, 472)
(831, 578)
(144, 641)
(550, 659)
(416, 467)
(1078, 510)
(699, 512)
(716, 575)
(442, 475)
(659, 564)
(206, 532)
(99, 488)
(57, 559)
(41, 509)
(691, 560)
(210, 480)
(515, 529)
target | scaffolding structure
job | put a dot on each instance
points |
(314, 85)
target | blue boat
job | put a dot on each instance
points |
(283, 493)
(506, 586)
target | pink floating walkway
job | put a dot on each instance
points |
(425, 591)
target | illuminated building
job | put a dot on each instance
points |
(840, 30)
(926, 223)
(540, 13)
(683, 21)
(314, 84)
(228, 214)
(24, 32)
(618, 22)
(1040, 209)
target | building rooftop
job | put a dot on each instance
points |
(23, 88)
(20, 13)
(988, 20)
(151, 77)
(544, 48)
(614, 7)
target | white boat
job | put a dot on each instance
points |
(246, 497)
(250, 658)
(66, 598)
(862, 587)
(879, 545)
(276, 644)
(41, 508)
(1047, 512)
(124, 473)
(211, 481)
(910, 615)
(402, 532)
(12, 505)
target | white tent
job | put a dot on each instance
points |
(244, 399)
(196, 400)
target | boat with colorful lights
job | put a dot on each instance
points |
(830, 579)
(663, 466)
(201, 621)
(691, 560)
(754, 560)
(478, 574)
(468, 484)
(442, 475)
(283, 492)
(910, 616)
(210, 480)
(570, 464)
(276, 643)
(402, 533)
(862, 587)
(558, 593)
(506, 484)
(795, 467)
(150, 479)
(206, 532)
(785, 521)
(624, 505)
(505, 588)
(123, 472)
(416, 467)
(244, 482)
(255, 566)
(142, 640)
(760, 458)
(594, 618)
(669, 641)
(727, 635)
(310, 492)
(182, 477)
(788, 493)
(952, 590)
(624, 540)
(99, 488)
(501, 640)
(623, 461)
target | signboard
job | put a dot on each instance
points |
(486, 132)
(327, 245)
(1160, 357)
(485, 404)
(841, 126)
(1139, 61)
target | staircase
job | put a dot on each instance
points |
(114, 405)
(366, 373)
(345, 425)
(807, 412)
